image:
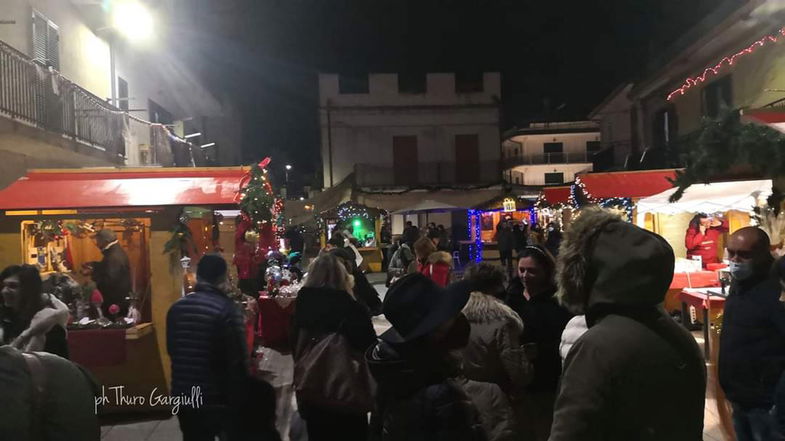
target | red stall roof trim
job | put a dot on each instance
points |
(98, 188)
(556, 195)
(635, 184)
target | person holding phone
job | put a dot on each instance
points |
(702, 237)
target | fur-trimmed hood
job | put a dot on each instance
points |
(440, 256)
(606, 261)
(482, 308)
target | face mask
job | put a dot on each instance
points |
(740, 271)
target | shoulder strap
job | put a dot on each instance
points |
(38, 381)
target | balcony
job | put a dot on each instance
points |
(547, 158)
(428, 174)
(33, 95)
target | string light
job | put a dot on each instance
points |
(725, 61)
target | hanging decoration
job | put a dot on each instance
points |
(48, 230)
(181, 240)
(726, 61)
(350, 210)
(474, 220)
(580, 197)
(509, 205)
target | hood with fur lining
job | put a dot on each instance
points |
(440, 256)
(482, 308)
(606, 261)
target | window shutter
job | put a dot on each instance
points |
(40, 30)
(53, 46)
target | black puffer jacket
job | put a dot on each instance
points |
(206, 342)
(420, 401)
(752, 342)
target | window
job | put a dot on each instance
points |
(46, 41)
(405, 170)
(553, 151)
(467, 159)
(348, 84)
(717, 96)
(468, 82)
(554, 178)
(122, 93)
(158, 114)
(410, 83)
(593, 147)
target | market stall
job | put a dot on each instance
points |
(162, 219)
(362, 223)
(733, 201)
(484, 219)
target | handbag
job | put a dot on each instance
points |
(328, 372)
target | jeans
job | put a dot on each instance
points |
(755, 424)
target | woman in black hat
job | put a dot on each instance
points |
(418, 396)
(326, 305)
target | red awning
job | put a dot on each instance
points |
(61, 189)
(773, 117)
(635, 184)
(556, 195)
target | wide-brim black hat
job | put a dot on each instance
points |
(416, 306)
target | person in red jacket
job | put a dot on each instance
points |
(436, 265)
(702, 237)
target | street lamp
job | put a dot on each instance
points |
(132, 19)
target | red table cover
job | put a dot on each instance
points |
(97, 347)
(698, 279)
(275, 316)
(699, 300)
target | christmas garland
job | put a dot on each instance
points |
(727, 146)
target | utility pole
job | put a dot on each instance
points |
(330, 142)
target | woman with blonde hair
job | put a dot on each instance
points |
(434, 264)
(325, 305)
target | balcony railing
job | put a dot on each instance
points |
(547, 158)
(31, 93)
(425, 174)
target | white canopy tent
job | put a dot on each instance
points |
(428, 206)
(707, 198)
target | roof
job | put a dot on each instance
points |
(622, 89)
(106, 187)
(709, 198)
(773, 117)
(632, 184)
(556, 195)
(555, 128)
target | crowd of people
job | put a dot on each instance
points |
(572, 348)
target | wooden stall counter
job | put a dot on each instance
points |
(125, 362)
(697, 279)
(372, 258)
(707, 300)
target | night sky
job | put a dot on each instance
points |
(558, 59)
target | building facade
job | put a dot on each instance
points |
(617, 137)
(76, 92)
(396, 130)
(732, 59)
(549, 153)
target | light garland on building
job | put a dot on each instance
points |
(348, 210)
(725, 61)
(474, 219)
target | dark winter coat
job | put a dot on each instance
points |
(325, 310)
(419, 401)
(205, 339)
(505, 239)
(635, 374)
(112, 277)
(544, 321)
(494, 353)
(69, 400)
(752, 342)
(496, 414)
(366, 293)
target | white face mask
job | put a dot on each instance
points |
(740, 270)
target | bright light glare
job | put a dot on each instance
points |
(288, 167)
(133, 20)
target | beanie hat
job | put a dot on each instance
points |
(211, 268)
